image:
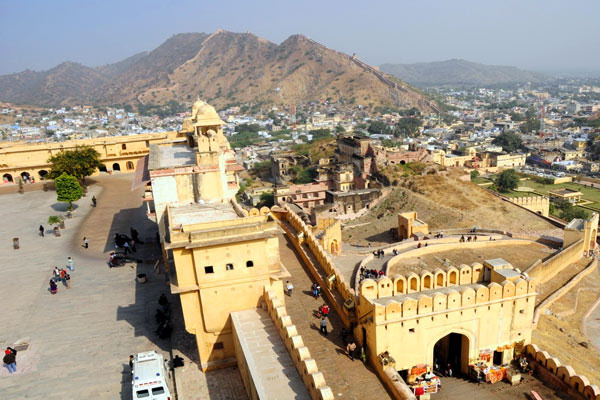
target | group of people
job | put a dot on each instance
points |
(61, 275)
(378, 253)
(370, 273)
(468, 239)
(128, 243)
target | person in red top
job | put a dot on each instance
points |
(324, 310)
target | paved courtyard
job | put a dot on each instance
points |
(80, 338)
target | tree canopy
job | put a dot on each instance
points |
(408, 126)
(509, 141)
(81, 162)
(68, 189)
(507, 181)
(568, 212)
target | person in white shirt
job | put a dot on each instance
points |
(289, 287)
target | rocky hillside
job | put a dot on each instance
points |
(460, 73)
(223, 68)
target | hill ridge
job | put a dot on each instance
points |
(223, 67)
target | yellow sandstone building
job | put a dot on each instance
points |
(117, 153)
(223, 256)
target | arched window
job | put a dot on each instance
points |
(228, 267)
(129, 165)
(249, 264)
(123, 146)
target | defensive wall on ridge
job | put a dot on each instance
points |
(537, 204)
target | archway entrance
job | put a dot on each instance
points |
(452, 349)
(7, 178)
(43, 173)
(102, 168)
(25, 176)
(116, 167)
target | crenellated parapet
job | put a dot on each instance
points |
(537, 204)
(402, 296)
(307, 367)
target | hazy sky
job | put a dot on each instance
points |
(543, 35)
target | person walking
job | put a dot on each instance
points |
(350, 349)
(289, 287)
(63, 276)
(70, 264)
(41, 229)
(85, 242)
(53, 287)
(324, 310)
(323, 326)
(94, 200)
(55, 274)
(68, 280)
(131, 362)
(10, 359)
(126, 247)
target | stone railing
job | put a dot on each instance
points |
(550, 370)
(305, 364)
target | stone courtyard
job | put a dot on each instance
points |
(79, 339)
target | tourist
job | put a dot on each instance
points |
(56, 274)
(135, 235)
(314, 291)
(324, 310)
(63, 276)
(10, 359)
(344, 334)
(68, 280)
(53, 287)
(70, 264)
(468, 238)
(131, 362)
(126, 248)
(323, 326)
(449, 370)
(41, 229)
(350, 349)
(289, 287)
(419, 246)
(462, 239)
(132, 245)
(475, 238)
(381, 273)
(85, 242)
(164, 302)
(111, 260)
(94, 201)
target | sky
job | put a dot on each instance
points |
(548, 36)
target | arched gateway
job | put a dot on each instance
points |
(452, 349)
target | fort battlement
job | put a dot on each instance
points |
(307, 367)
(401, 297)
(564, 377)
(537, 204)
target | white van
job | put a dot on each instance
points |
(150, 377)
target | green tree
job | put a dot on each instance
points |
(68, 189)
(509, 141)
(81, 162)
(474, 174)
(339, 129)
(267, 199)
(408, 126)
(378, 128)
(507, 181)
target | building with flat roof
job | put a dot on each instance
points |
(221, 258)
(572, 196)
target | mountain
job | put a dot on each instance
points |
(457, 72)
(222, 68)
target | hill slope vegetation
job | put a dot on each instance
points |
(223, 68)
